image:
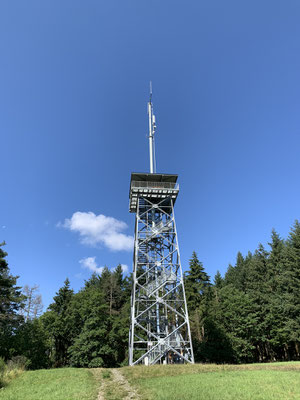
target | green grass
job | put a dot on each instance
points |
(275, 381)
(55, 384)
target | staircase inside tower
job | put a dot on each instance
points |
(160, 311)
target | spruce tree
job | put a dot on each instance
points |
(58, 323)
(196, 282)
(11, 301)
(218, 280)
(292, 284)
(90, 345)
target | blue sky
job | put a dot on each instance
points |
(73, 125)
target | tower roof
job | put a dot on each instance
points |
(147, 177)
(155, 187)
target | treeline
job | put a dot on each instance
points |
(252, 314)
(84, 329)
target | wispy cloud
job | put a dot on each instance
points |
(99, 229)
(90, 263)
(125, 268)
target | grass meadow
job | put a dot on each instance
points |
(53, 384)
(217, 382)
(274, 381)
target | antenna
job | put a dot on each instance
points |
(150, 91)
(152, 127)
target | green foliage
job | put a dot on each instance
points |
(253, 314)
(11, 301)
(31, 341)
(89, 328)
(196, 282)
(58, 324)
(2, 365)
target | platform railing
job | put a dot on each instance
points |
(154, 185)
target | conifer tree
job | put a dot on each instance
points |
(196, 282)
(90, 345)
(58, 323)
(11, 301)
(292, 285)
(218, 280)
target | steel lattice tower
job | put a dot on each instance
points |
(159, 329)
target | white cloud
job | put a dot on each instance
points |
(90, 263)
(99, 229)
(125, 268)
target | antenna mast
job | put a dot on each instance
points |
(152, 128)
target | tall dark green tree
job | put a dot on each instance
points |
(90, 344)
(111, 283)
(196, 282)
(218, 280)
(58, 323)
(31, 341)
(292, 285)
(11, 301)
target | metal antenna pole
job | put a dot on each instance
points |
(151, 131)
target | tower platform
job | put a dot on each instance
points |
(154, 187)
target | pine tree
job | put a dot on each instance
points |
(237, 316)
(218, 280)
(111, 283)
(292, 286)
(90, 345)
(58, 323)
(196, 282)
(237, 275)
(11, 301)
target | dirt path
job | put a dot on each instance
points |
(120, 380)
(97, 372)
(116, 380)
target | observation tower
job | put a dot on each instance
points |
(159, 328)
